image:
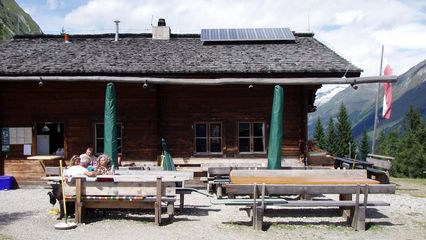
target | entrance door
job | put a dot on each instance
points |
(43, 145)
(50, 138)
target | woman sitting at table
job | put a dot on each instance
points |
(104, 165)
(75, 160)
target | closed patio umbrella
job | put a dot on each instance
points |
(167, 162)
(110, 125)
(276, 129)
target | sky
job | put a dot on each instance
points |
(355, 29)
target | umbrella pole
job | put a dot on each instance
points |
(66, 225)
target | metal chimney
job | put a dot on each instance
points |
(161, 22)
(116, 30)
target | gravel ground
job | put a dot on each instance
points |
(24, 215)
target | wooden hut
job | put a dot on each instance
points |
(208, 99)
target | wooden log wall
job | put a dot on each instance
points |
(147, 114)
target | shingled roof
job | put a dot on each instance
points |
(182, 55)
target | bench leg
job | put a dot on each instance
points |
(346, 212)
(157, 204)
(358, 222)
(181, 202)
(170, 209)
(258, 218)
(219, 191)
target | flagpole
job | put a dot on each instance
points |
(376, 117)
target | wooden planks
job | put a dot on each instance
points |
(274, 189)
(317, 173)
(299, 180)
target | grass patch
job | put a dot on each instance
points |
(415, 181)
(374, 227)
(337, 227)
(5, 237)
(415, 187)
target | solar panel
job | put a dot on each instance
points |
(247, 34)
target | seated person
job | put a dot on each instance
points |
(89, 153)
(80, 169)
(90, 168)
(75, 160)
(104, 165)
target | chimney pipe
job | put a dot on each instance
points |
(116, 30)
(161, 22)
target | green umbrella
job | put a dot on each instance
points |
(110, 125)
(276, 129)
(167, 162)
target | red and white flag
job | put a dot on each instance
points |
(387, 96)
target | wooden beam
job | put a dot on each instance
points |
(206, 81)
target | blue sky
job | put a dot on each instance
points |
(355, 29)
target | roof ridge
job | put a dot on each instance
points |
(103, 35)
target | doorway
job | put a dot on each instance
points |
(50, 138)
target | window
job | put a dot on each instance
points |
(251, 137)
(99, 137)
(208, 137)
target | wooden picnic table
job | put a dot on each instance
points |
(46, 160)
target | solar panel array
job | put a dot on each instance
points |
(247, 34)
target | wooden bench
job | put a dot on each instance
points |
(180, 186)
(122, 192)
(344, 183)
(381, 167)
(218, 174)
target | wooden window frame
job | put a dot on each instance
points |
(252, 137)
(208, 138)
(95, 145)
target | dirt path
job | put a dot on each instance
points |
(24, 215)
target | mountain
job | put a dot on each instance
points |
(15, 21)
(326, 93)
(360, 104)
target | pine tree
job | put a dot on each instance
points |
(319, 134)
(331, 137)
(363, 146)
(408, 148)
(344, 134)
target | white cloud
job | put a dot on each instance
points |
(53, 4)
(354, 29)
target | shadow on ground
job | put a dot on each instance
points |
(8, 218)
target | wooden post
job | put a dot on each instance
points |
(171, 209)
(354, 220)
(362, 212)
(181, 202)
(257, 212)
(78, 203)
(219, 190)
(346, 211)
(157, 205)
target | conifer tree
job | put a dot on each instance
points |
(319, 134)
(331, 137)
(363, 146)
(344, 134)
(408, 148)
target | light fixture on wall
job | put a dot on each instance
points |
(58, 128)
(145, 85)
(40, 83)
(45, 128)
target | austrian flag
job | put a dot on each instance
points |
(387, 96)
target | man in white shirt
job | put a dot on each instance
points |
(80, 169)
(89, 153)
